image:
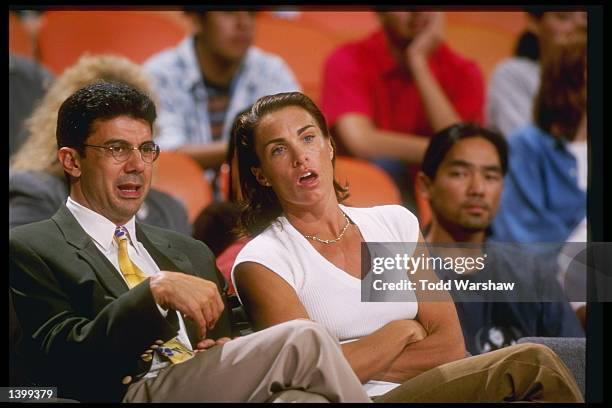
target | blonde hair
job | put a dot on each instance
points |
(39, 151)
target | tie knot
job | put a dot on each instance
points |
(121, 233)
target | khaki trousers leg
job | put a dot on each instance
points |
(525, 372)
(298, 354)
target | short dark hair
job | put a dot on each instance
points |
(261, 206)
(528, 46)
(444, 140)
(101, 100)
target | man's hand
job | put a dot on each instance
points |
(195, 298)
(427, 39)
(208, 343)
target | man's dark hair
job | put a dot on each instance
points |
(443, 141)
(528, 45)
(99, 101)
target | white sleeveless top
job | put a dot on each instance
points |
(331, 296)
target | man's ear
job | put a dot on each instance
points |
(259, 176)
(70, 160)
(423, 185)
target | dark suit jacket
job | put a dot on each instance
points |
(83, 330)
(36, 196)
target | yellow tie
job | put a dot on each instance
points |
(173, 349)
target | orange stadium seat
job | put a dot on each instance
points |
(349, 25)
(20, 40)
(368, 184)
(301, 44)
(182, 177)
(65, 35)
(486, 37)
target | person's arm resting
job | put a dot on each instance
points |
(363, 139)
(444, 342)
(269, 300)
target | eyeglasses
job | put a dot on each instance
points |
(149, 151)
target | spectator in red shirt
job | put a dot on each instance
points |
(385, 95)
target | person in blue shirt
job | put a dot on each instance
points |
(462, 178)
(544, 199)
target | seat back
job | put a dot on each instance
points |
(182, 177)
(368, 184)
(486, 37)
(20, 40)
(349, 25)
(65, 35)
(302, 45)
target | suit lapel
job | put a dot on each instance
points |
(86, 249)
(159, 247)
(162, 251)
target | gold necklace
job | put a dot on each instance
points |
(331, 241)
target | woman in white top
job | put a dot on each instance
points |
(305, 262)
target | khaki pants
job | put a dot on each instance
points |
(524, 372)
(298, 354)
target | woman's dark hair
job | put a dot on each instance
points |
(444, 140)
(561, 99)
(99, 101)
(261, 206)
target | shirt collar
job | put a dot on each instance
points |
(98, 227)
(551, 142)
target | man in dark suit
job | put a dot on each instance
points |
(114, 310)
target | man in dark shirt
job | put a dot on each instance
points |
(462, 178)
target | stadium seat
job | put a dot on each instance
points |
(486, 37)
(349, 25)
(301, 44)
(368, 184)
(182, 177)
(20, 40)
(65, 35)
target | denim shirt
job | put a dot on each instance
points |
(183, 111)
(541, 201)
